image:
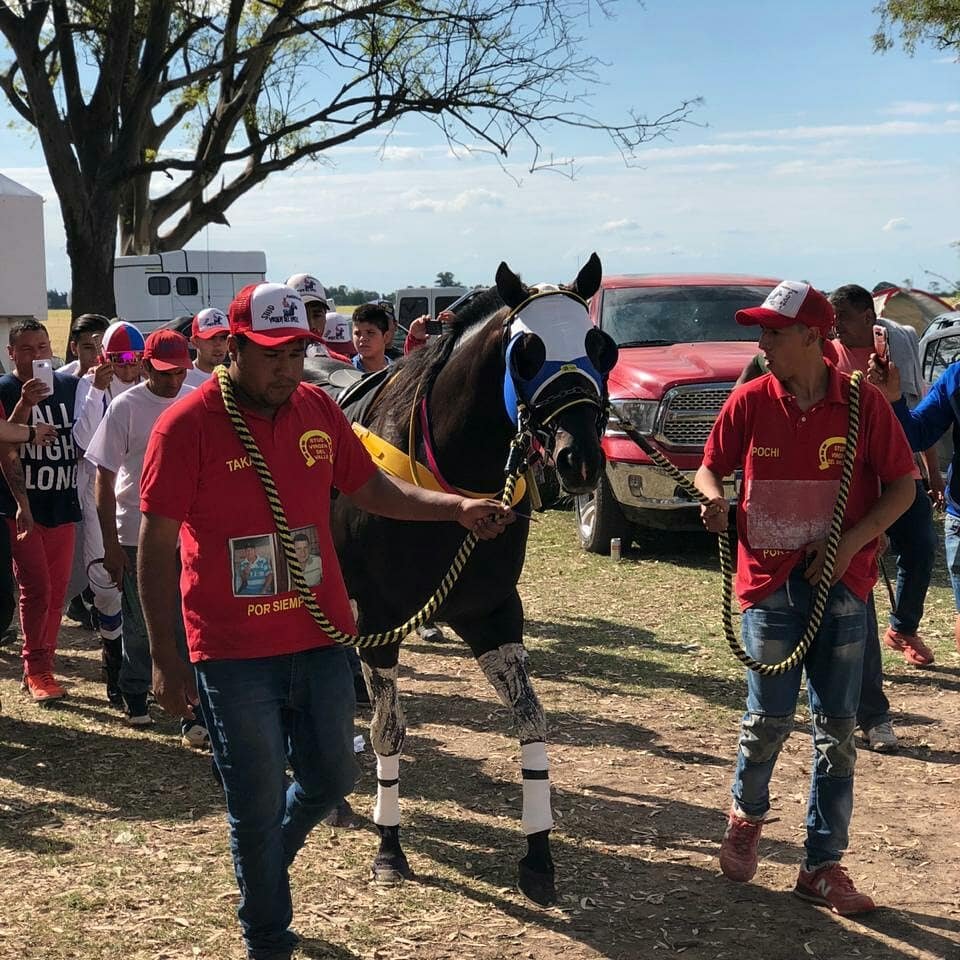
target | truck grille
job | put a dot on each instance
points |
(688, 413)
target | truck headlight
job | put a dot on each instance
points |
(641, 414)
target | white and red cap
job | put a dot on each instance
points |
(310, 288)
(789, 303)
(338, 329)
(270, 314)
(209, 323)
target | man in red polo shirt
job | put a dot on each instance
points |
(787, 432)
(274, 689)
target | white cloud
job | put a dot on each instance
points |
(890, 128)
(619, 226)
(895, 223)
(921, 108)
(477, 197)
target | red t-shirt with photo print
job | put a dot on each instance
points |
(238, 599)
(792, 461)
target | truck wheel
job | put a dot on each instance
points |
(599, 520)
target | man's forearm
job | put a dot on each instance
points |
(157, 576)
(895, 499)
(709, 483)
(106, 500)
(13, 473)
(399, 500)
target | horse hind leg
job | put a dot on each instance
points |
(506, 669)
(387, 731)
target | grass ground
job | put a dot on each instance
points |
(113, 841)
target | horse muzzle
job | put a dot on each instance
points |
(578, 470)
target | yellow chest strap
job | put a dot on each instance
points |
(394, 461)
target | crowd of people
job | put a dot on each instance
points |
(114, 479)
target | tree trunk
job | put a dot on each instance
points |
(91, 246)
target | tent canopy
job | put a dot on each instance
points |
(912, 308)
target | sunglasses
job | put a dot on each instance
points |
(125, 357)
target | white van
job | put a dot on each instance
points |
(153, 289)
(414, 302)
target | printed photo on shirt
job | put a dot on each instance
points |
(254, 561)
(306, 543)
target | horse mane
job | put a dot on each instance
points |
(418, 370)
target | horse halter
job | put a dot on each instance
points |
(566, 376)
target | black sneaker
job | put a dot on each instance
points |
(78, 612)
(137, 713)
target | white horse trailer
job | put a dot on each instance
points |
(153, 289)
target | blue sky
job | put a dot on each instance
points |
(811, 158)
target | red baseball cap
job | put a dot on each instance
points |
(791, 302)
(167, 350)
(270, 314)
(209, 323)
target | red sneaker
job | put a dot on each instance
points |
(914, 650)
(42, 687)
(738, 851)
(831, 886)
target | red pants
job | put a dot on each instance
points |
(42, 564)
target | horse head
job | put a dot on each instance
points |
(556, 370)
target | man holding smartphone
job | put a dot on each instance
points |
(43, 560)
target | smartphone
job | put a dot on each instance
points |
(880, 341)
(43, 370)
(433, 327)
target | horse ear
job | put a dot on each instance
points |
(588, 279)
(509, 286)
(601, 349)
(527, 356)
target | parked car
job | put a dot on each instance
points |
(681, 351)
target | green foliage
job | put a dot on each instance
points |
(353, 296)
(445, 278)
(918, 21)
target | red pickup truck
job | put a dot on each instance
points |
(681, 350)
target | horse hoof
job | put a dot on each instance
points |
(342, 817)
(537, 885)
(391, 871)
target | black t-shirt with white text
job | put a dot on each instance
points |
(49, 473)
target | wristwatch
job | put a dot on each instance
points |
(31, 433)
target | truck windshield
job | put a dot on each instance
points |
(655, 316)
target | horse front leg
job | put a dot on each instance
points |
(387, 731)
(506, 669)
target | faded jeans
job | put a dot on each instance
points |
(262, 715)
(771, 630)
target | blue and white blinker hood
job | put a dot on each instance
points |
(561, 321)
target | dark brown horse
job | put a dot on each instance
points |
(514, 358)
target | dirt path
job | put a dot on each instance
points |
(112, 843)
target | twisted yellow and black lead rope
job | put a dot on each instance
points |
(830, 549)
(387, 637)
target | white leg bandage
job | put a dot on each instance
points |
(387, 811)
(537, 815)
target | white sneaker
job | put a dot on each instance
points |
(195, 737)
(881, 737)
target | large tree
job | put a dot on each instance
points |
(154, 117)
(918, 21)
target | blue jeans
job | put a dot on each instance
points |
(951, 542)
(874, 707)
(262, 715)
(771, 631)
(913, 542)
